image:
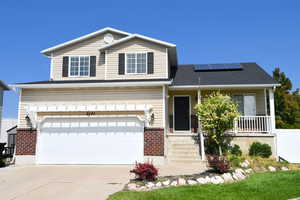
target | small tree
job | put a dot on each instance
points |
(216, 115)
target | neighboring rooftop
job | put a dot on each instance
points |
(4, 86)
(246, 74)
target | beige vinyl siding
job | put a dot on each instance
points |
(259, 93)
(93, 96)
(87, 47)
(137, 46)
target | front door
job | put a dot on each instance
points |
(182, 113)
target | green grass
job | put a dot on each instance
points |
(266, 186)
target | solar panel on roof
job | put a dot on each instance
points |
(213, 67)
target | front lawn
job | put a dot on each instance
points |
(267, 186)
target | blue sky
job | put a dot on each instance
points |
(266, 32)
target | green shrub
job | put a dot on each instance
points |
(258, 149)
(235, 150)
(235, 160)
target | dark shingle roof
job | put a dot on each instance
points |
(250, 74)
(3, 85)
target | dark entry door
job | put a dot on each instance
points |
(182, 113)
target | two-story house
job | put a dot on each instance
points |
(115, 98)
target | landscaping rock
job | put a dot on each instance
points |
(245, 164)
(181, 181)
(284, 168)
(234, 176)
(248, 171)
(131, 186)
(237, 175)
(240, 171)
(192, 182)
(227, 177)
(217, 180)
(158, 184)
(142, 188)
(166, 183)
(201, 180)
(207, 179)
(150, 185)
(174, 183)
(272, 169)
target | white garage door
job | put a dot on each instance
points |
(111, 140)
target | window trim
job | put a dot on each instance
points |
(245, 94)
(79, 76)
(136, 73)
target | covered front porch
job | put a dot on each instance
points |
(256, 106)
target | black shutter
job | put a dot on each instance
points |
(150, 62)
(65, 66)
(92, 66)
(121, 63)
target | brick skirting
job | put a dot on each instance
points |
(25, 142)
(154, 142)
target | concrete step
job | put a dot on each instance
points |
(184, 145)
(200, 162)
(183, 153)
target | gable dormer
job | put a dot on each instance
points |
(110, 54)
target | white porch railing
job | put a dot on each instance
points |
(252, 124)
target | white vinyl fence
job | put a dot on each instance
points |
(288, 144)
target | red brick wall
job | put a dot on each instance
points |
(154, 142)
(25, 142)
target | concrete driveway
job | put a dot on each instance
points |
(62, 182)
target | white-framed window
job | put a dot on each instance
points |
(246, 104)
(79, 66)
(136, 63)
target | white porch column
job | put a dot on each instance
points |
(199, 128)
(272, 109)
(198, 102)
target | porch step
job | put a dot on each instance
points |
(183, 153)
(200, 162)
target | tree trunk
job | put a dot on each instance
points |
(220, 150)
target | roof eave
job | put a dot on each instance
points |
(92, 85)
(4, 86)
(51, 49)
(224, 86)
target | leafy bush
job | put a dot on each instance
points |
(235, 160)
(219, 163)
(258, 149)
(145, 171)
(235, 150)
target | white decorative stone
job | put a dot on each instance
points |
(284, 168)
(240, 176)
(240, 171)
(150, 185)
(201, 180)
(272, 169)
(248, 171)
(216, 180)
(245, 164)
(192, 182)
(158, 184)
(142, 188)
(234, 176)
(181, 181)
(131, 186)
(174, 183)
(220, 179)
(208, 179)
(227, 177)
(166, 183)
